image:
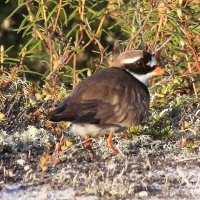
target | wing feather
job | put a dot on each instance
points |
(92, 101)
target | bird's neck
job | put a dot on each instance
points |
(143, 78)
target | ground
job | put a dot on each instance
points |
(145, 168)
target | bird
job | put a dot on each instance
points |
(112, 99)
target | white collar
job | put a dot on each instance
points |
(142, 77)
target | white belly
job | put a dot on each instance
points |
(92, 129)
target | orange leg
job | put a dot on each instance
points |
(110, 144)
(88, 145)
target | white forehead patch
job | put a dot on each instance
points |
(130, 60)
(153, 62)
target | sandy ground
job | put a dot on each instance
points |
(144, 169)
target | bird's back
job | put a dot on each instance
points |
(109, 97)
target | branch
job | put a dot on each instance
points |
(58, 14)
(141, 28)
(187, 35)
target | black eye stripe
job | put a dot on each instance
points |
(140, 66)
(139, 69)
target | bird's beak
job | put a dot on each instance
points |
(159, 71)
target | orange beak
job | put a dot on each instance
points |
(159, 71)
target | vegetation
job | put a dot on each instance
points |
(48, 46)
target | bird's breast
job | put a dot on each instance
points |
(133, 107)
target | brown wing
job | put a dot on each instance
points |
(108, 97)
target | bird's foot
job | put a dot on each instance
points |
(88, 145)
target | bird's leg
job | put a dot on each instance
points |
(88, 145)
(110, 144)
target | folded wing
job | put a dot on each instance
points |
(101, 99)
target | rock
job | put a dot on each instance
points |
(143, 194)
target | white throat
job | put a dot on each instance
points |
(142, 77)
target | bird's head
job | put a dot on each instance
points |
(141, 64)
